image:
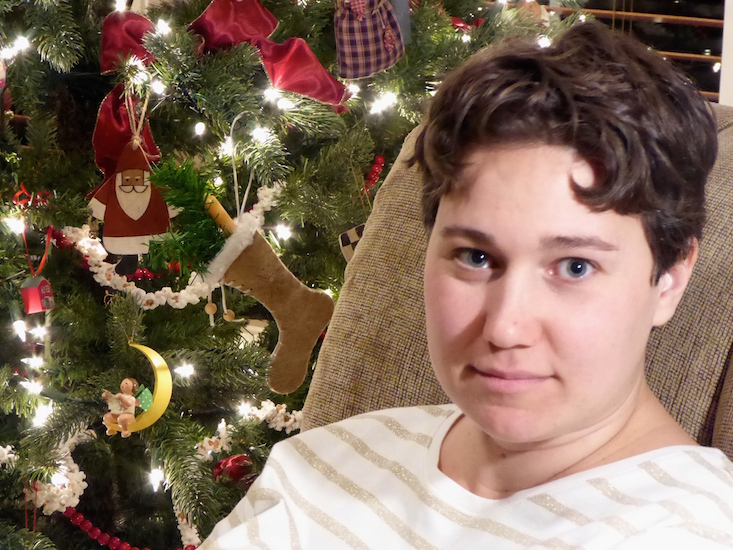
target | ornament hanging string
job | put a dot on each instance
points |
(137, 129)
(41, 265)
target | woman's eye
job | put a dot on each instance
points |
(575, 268)
(474, 258)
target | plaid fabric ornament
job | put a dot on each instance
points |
(368, 37)
(349, 239)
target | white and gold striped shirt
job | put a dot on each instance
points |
(372, 482)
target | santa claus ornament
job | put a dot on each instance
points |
(132, 208)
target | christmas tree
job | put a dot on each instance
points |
(180, 190)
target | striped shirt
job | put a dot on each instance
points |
(372, 482)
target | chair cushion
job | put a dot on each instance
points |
(375, 353)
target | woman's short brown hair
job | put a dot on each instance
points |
(647, 131)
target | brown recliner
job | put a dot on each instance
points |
(375, 352)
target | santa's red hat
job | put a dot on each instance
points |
(133, 158)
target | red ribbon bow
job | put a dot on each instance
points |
(26, 199)
(122, 37)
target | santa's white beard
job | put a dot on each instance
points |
(133, 204)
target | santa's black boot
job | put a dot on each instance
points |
(127, 265)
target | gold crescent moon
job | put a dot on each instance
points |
(161, 393)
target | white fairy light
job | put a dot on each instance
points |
(218, 181)
(582, 18)
(354, 89)
(140, 73)
(503, 1)
(59, 480)
(466, 37)
(158, 87)
(16, 225)
(20, 329)
(716, 67)
(186, 370)
(162, 27)
(120, 5)
(199, 129)
(42, 414)
(21, 43)
(383, 102)
(283, 232)
(285, 104)
(33, 387)
(328, 292)
(39, 332)
(34, 362)
(272, 94)
(544, 41)
(245, 408)
(156, 477)
(226, 149)
(261, 135)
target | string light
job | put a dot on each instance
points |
(245, 408)
(158, 87)
(328, 292)
(20, 329)
(42, 414)
(544, 41)
(466, 37)
(218, 181)
(21, 43)
(39, 332)
(120, 5)
(716, 67)
(140, 74)
(186, 370)
(285, 104)
(581, 17)
(383, 102)
(16, 225)
(261, 135)
(226, 149)
(59, 479)
(272, 94)
(33, 387)
(199, 129)
(162, 27)
(156, 477)
(283, 232)
(354, 89)
(34, 362)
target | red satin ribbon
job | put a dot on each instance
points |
(294, 67)
(226, 23)
(122, 37)
(460, 24)
(26, 199)
(113, 132)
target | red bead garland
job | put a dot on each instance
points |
(374, 174)
(104, 539)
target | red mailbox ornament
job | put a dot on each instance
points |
(37, 295)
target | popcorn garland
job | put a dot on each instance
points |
(189, 534)
(7, 456)
(215, 444)
(198, 287)
(277, 416)
(57, 497)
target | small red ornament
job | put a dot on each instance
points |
(234, 467)
(37, 295)
(70, 511)
(77, 518)
(94, 533)
(190, 547)
(86, 525)
(103, 539)
(125, 546)
(114, 543)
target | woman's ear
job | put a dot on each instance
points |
(672, 284)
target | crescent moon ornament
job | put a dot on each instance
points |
(161, 393)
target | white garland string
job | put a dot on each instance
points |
(198, 287)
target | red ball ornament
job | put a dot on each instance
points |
(86, 525)
(103, 539)
(114, 543)
(379, 159)
(125, 546)
(94, 533)
(77, 518)
(234, 467)
(70, 511)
